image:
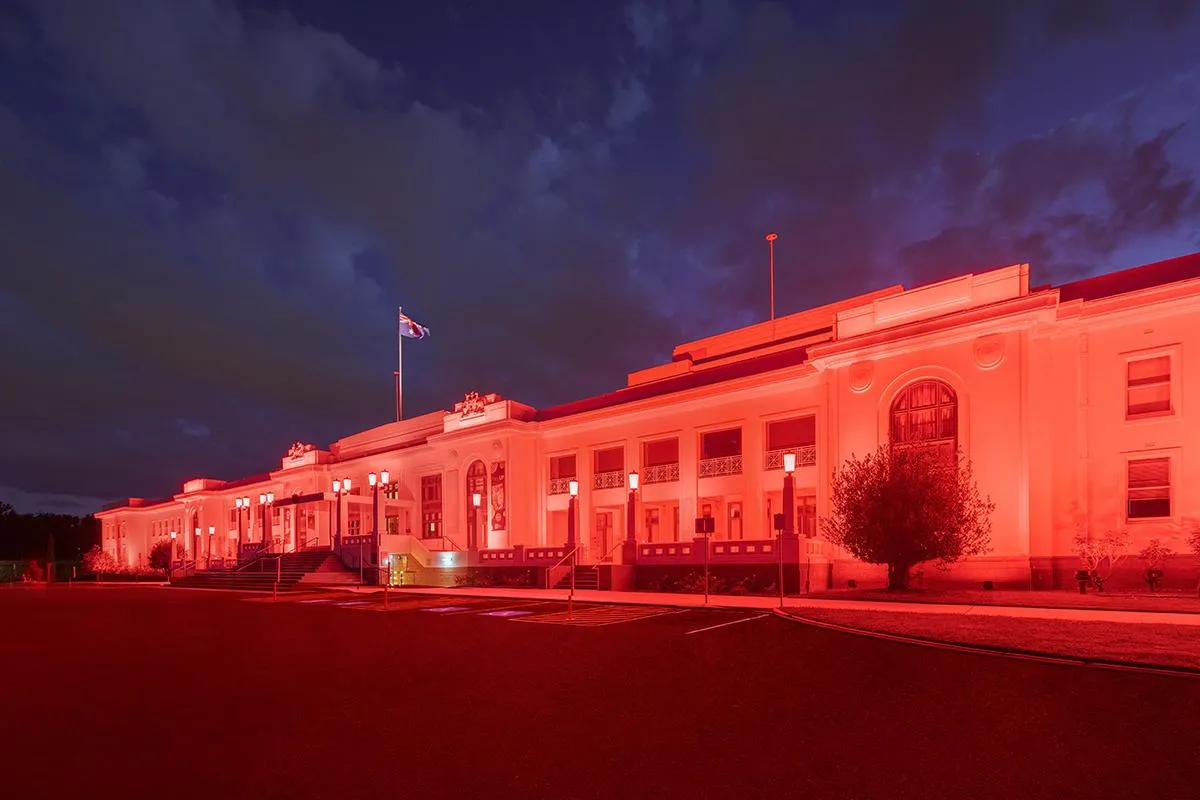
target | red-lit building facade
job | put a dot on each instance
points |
(1070, 401)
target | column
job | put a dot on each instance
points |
(689, 447)
(754, 524)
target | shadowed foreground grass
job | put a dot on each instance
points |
(1045, 599)
(1166, 645)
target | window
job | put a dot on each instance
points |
(925, 414)
(431, 506)
(1148, 386)
(611, 459)
(391, 524)
(789, 433)
(392, 491)
(662, 451)
(355, 524)
(806, 516)
(562, 467)
(721, 444)
(1149, 488)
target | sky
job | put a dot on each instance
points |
(210, 210)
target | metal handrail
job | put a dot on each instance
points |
(453, 543)
(608, 556)
(550, 571)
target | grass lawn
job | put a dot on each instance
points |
(1110, 601)
(1167, 645)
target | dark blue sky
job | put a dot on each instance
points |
(210, 209)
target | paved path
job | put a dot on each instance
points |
(137, 693)
(728, 601)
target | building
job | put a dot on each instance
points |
(1070, 401)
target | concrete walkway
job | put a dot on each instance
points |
(799, 603)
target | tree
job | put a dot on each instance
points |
(98, 561)
(160, 556)
(1194, 542)
(903, 507)
(1099, 556)
(1154, 554)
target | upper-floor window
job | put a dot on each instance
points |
(1149, 488)
(721, 444)
(660, 451)
(610, 459)
(1148, 386)
(925, 413)
(786, 434)
(431, 506)
(562, 467)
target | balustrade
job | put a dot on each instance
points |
(721, 465)
(806, 456)
(660, 473)
(612, 479)
(560, 485)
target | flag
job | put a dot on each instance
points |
(410, 329)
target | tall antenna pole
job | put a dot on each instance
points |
(771, 237)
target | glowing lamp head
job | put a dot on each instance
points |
(270, 497)
(212, 529)
(789, 462)
(245, 502)
(262, 499)
(633, 481)
(174, 534)
(476, 499)
(573, 488)
(371, 478)
(345, 484)
(385, 477)
(197, 531)
(337, 486)
(237, 502)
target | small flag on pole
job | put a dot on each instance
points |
(410, 329)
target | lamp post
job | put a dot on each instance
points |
(476, 502)
(630, 550)
(573, 488)
(212, 531)
(171, 561)
(789, 512)
(340, 488)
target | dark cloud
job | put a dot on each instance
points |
(212, 211)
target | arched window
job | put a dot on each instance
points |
(925, 414)
(477, 516)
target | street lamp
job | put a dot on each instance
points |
(630, 553)
(789, 512)
(573, 489)
(476, 502)
(212, 529)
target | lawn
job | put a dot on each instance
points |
(1166, 645)
(1106, 601)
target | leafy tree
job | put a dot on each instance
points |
(1194, 543)
(160, 556)
(100, 562)
(1154, 554)
(1099, 556)
(903, 507)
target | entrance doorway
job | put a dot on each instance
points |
(602, 534)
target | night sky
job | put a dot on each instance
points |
(210, 210)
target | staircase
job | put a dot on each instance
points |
(260, 575)
(586, 577)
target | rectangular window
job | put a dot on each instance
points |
(1149, 488)
(431, 506)
(796, 432)
(611, 459)
(806, 516)
(1148, 386)
(391, 524)
(662, 451)
(721, 444)
(562, 467)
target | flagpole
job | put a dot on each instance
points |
(400, 365)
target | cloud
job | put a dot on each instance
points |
(214, 210)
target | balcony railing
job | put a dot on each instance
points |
(806, 456)
(612, 479)
(722, 465)
(560, 485)
(660, 473)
